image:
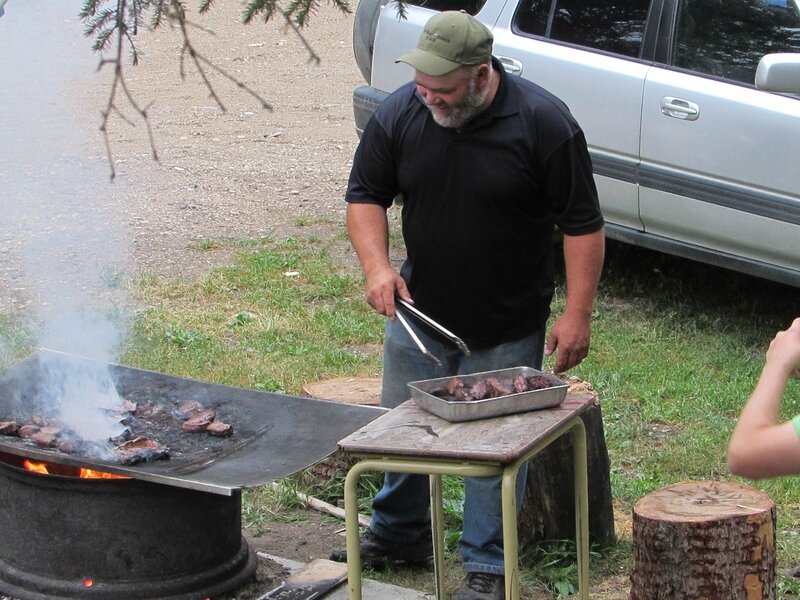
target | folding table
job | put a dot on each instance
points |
(409, 439)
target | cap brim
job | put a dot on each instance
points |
(429, 63)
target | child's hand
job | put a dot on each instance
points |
(784, 350)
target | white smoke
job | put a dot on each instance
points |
(62, 245)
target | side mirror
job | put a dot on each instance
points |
(779, 73)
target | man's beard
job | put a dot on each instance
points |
(460, 114)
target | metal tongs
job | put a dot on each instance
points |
(431, 323)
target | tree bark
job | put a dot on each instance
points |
(548, 509)
(704, 540)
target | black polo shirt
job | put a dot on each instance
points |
(480, 204)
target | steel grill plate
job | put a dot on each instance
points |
(274, 435)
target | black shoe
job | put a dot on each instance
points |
(376, 551)
(482, 586)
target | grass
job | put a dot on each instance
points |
(676, 349)
(282, 316)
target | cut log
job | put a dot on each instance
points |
(351, 390)
(548, 508)
(704, 540)
(365, 391)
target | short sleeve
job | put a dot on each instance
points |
(796, 424)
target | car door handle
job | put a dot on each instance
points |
(679, 109)
(511, 65)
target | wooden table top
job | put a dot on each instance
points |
(408, 430)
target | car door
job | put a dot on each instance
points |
(588, 53)
(717, 155)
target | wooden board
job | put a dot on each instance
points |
(314, 580)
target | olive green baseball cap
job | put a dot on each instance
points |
(451, 39)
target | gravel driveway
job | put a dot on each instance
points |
(241, 173)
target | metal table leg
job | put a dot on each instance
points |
(437, 531)
(510, 534)
(403, 465)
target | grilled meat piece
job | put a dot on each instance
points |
(199, 421)
(8, 428)
(520, 383)
(478, 390)
(538, 382)
(463, 394)
(140, 449)
(46, 436)
(219, 429)
(148, 410)
(495, 387)
(454, 385)
(188, 408)
(68, 446)
(26, 431)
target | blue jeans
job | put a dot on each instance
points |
(401, 509)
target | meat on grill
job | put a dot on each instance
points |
(189, 417)
(8, 428)
(148, 410)
(140, 449)
(188, 407)
(46, 436)
(27, 431)
(199, 421)
(219, 429)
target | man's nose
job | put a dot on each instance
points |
(429, 97)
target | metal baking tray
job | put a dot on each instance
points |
(425, 393)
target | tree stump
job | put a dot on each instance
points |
(704, 540)
(548, 509)
(351, 390)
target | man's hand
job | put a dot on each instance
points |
(569, 338)
(382, 284)
(583, 258)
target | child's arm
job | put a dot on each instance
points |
(761, 446)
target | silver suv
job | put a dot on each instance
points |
(691, 110)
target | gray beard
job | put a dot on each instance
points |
(459, 115)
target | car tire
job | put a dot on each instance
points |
(365, 23)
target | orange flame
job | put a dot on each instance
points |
(92, 474)
(41, 467)
(36, 467)
(88, 582)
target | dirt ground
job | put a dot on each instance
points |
(249, 171)
(239, 173)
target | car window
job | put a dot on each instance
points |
(727, 38)
(470, 6)
(616, 26)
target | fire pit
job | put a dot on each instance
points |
(68, 537)
(173, 529)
